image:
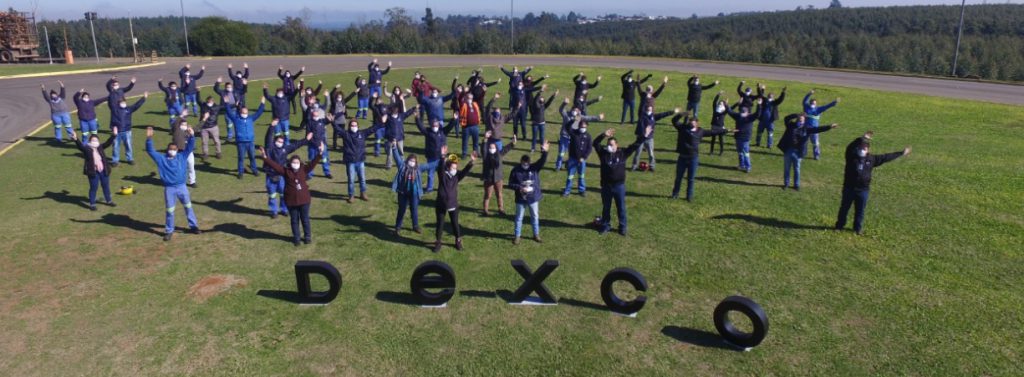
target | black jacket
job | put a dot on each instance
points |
(696, 90)
(537, 108)
(354, 148)
(744, 124)
(688, 141)
(613, 165)
(797, 134)
(434, 140)
(529, 177)
(448, 186)
(89, 168)
(630, 88)
(858, 169)
(579, 145)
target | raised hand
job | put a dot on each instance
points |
(906, 151)
(600, 116)
(145, 94)
(609, 132)
(648, 131)
(665, 80)
(263, 100)
(149, 132)
(544, 147)
(115, 131)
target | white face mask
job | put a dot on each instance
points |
(629, 79)
(287, 75)
(583, 130)
(353, 129)
(435, 128)
(862, 153)
(453, 171)
(492, 150)
(296, 166)
(172, 153)
(611, 149)
(209, 104)
(228, 88)
(280, 95)
(116, 87)
(412, 164)
(174, 88)
(244, 116)
(434, 95)
(182, 127)
(86, 99)
(650, 112)
(814, 107)
(721, 108)
(123, 105)
(696, 82)
(525, 165)
(94, 144)
(279, 144)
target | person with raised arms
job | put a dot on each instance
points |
(376, 76)
(96, 167)
(354, 155)
(245, 135)
(719, 111)
(493, 172)
(190, 87)
(688, 147)
(60, 112)
(279, 108)
(172, 167)
(447, 202)
(744, 128)
(694, 94)
(570, 123)
(524, 180)
(296, 192)
(538, 107)
(86, 105)
(278, 150)
(648, 119)
(794, 146)
(288, 87)
(240, 81)
(173, 100)
(768, 114)
(814, 112)
(209, 128)
(408, 185)
(613, 176)
(121, 118)
(860, 164)
(435, 138)
(630, 87)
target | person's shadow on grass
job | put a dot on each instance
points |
(232, 206)
(124, 221)
(249, 233)
(377, 229)
(769, 222)
(64, 196)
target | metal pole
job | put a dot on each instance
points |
(131, 30)
(959, 33)
(95, 48)
(512, 17)
(185, 26)
(48, 51)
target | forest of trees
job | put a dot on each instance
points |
(917, 39)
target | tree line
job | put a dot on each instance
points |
(916, 39)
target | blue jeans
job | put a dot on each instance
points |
(325, 160)
(693, 107)
(284, 129)
(300, 214)
(857, 198)
(763, 126)
(412, 202)
(364, 105)
(123, 138)
(379, 134)
(430, 168)
(246, 147)
(575, 167)
(613, 192)
(468, 132)
(648, 144)
(684, 164)
(89, 127)
(356, 170)
(230, 124)
(173, 195)
(61, 122)
(628, 106)
(375, 88)
(190, 99)
(563, 148)
(791, 162)
(534, 218)
(174, 111)
(95, 181)
(814, 140)
(538, 135)
(743, 150)
(275, 193)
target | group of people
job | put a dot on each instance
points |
(287, 176)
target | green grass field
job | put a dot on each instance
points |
(933, 288)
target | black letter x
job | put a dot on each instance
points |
(534, 282)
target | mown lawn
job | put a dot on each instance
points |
(933, 288)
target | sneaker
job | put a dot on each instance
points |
(515, 241)
(111, 204)
(417, 230)
(437, 246)
(92, 207)
(195, 231)
(273, 216)
(203, 156)
(363, 197)
(674, 196)
(329, 176)
(651, 169)
(167, 236)
(114, 164)
(349, 200)
(458, 244)
(622, 232)
(217, 156)
(537, 239)
(565, 194)
(284, 214)
(306, 241)
(797, 188)
(296, 243)
(256, 173)
(239, 175)
(603, 231)
(192, 185)
(583, 194)
(784, 187)
(501, 212)
(132, 162)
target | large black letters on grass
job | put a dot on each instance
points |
(305, 268)
(615, 303)
(749, 308)
(534, 282)
(433, 275)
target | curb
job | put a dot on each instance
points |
(59, 73)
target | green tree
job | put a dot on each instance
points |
(218, 36)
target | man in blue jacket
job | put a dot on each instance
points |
(435, 138)
(525, 181)
(579, 151)
(87, 112)
(814, 112)
(115, 93)
(794, 146)
(354, 154)
(245, 135)
(744, 129)
(768, 115)
(121, 118)
(376, 76)
(172, 167)
(190, 86)
(394, 132)
(317, 126)
(279, 109)
(278, 151)
(172, 98)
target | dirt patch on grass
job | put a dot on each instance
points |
(214, 285)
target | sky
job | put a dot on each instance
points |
(347, 11)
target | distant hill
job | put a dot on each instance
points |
(918, 39)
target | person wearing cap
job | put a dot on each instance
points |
(860, 164)
(447, 202)
(524, 180)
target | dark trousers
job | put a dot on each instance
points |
(453, 215)
(296, 214)
(95, 181)
(684, 164)
(610, 192)
(412, 202)
(628, 107)
(692, 107)
(519, 123)
(721, 144)
(857, 198)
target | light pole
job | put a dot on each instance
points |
(91, 16)
(48, 51)
(959, 33)
(131, 30)
(512, 18)
(185, 26)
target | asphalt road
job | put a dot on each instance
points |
(22, 109)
